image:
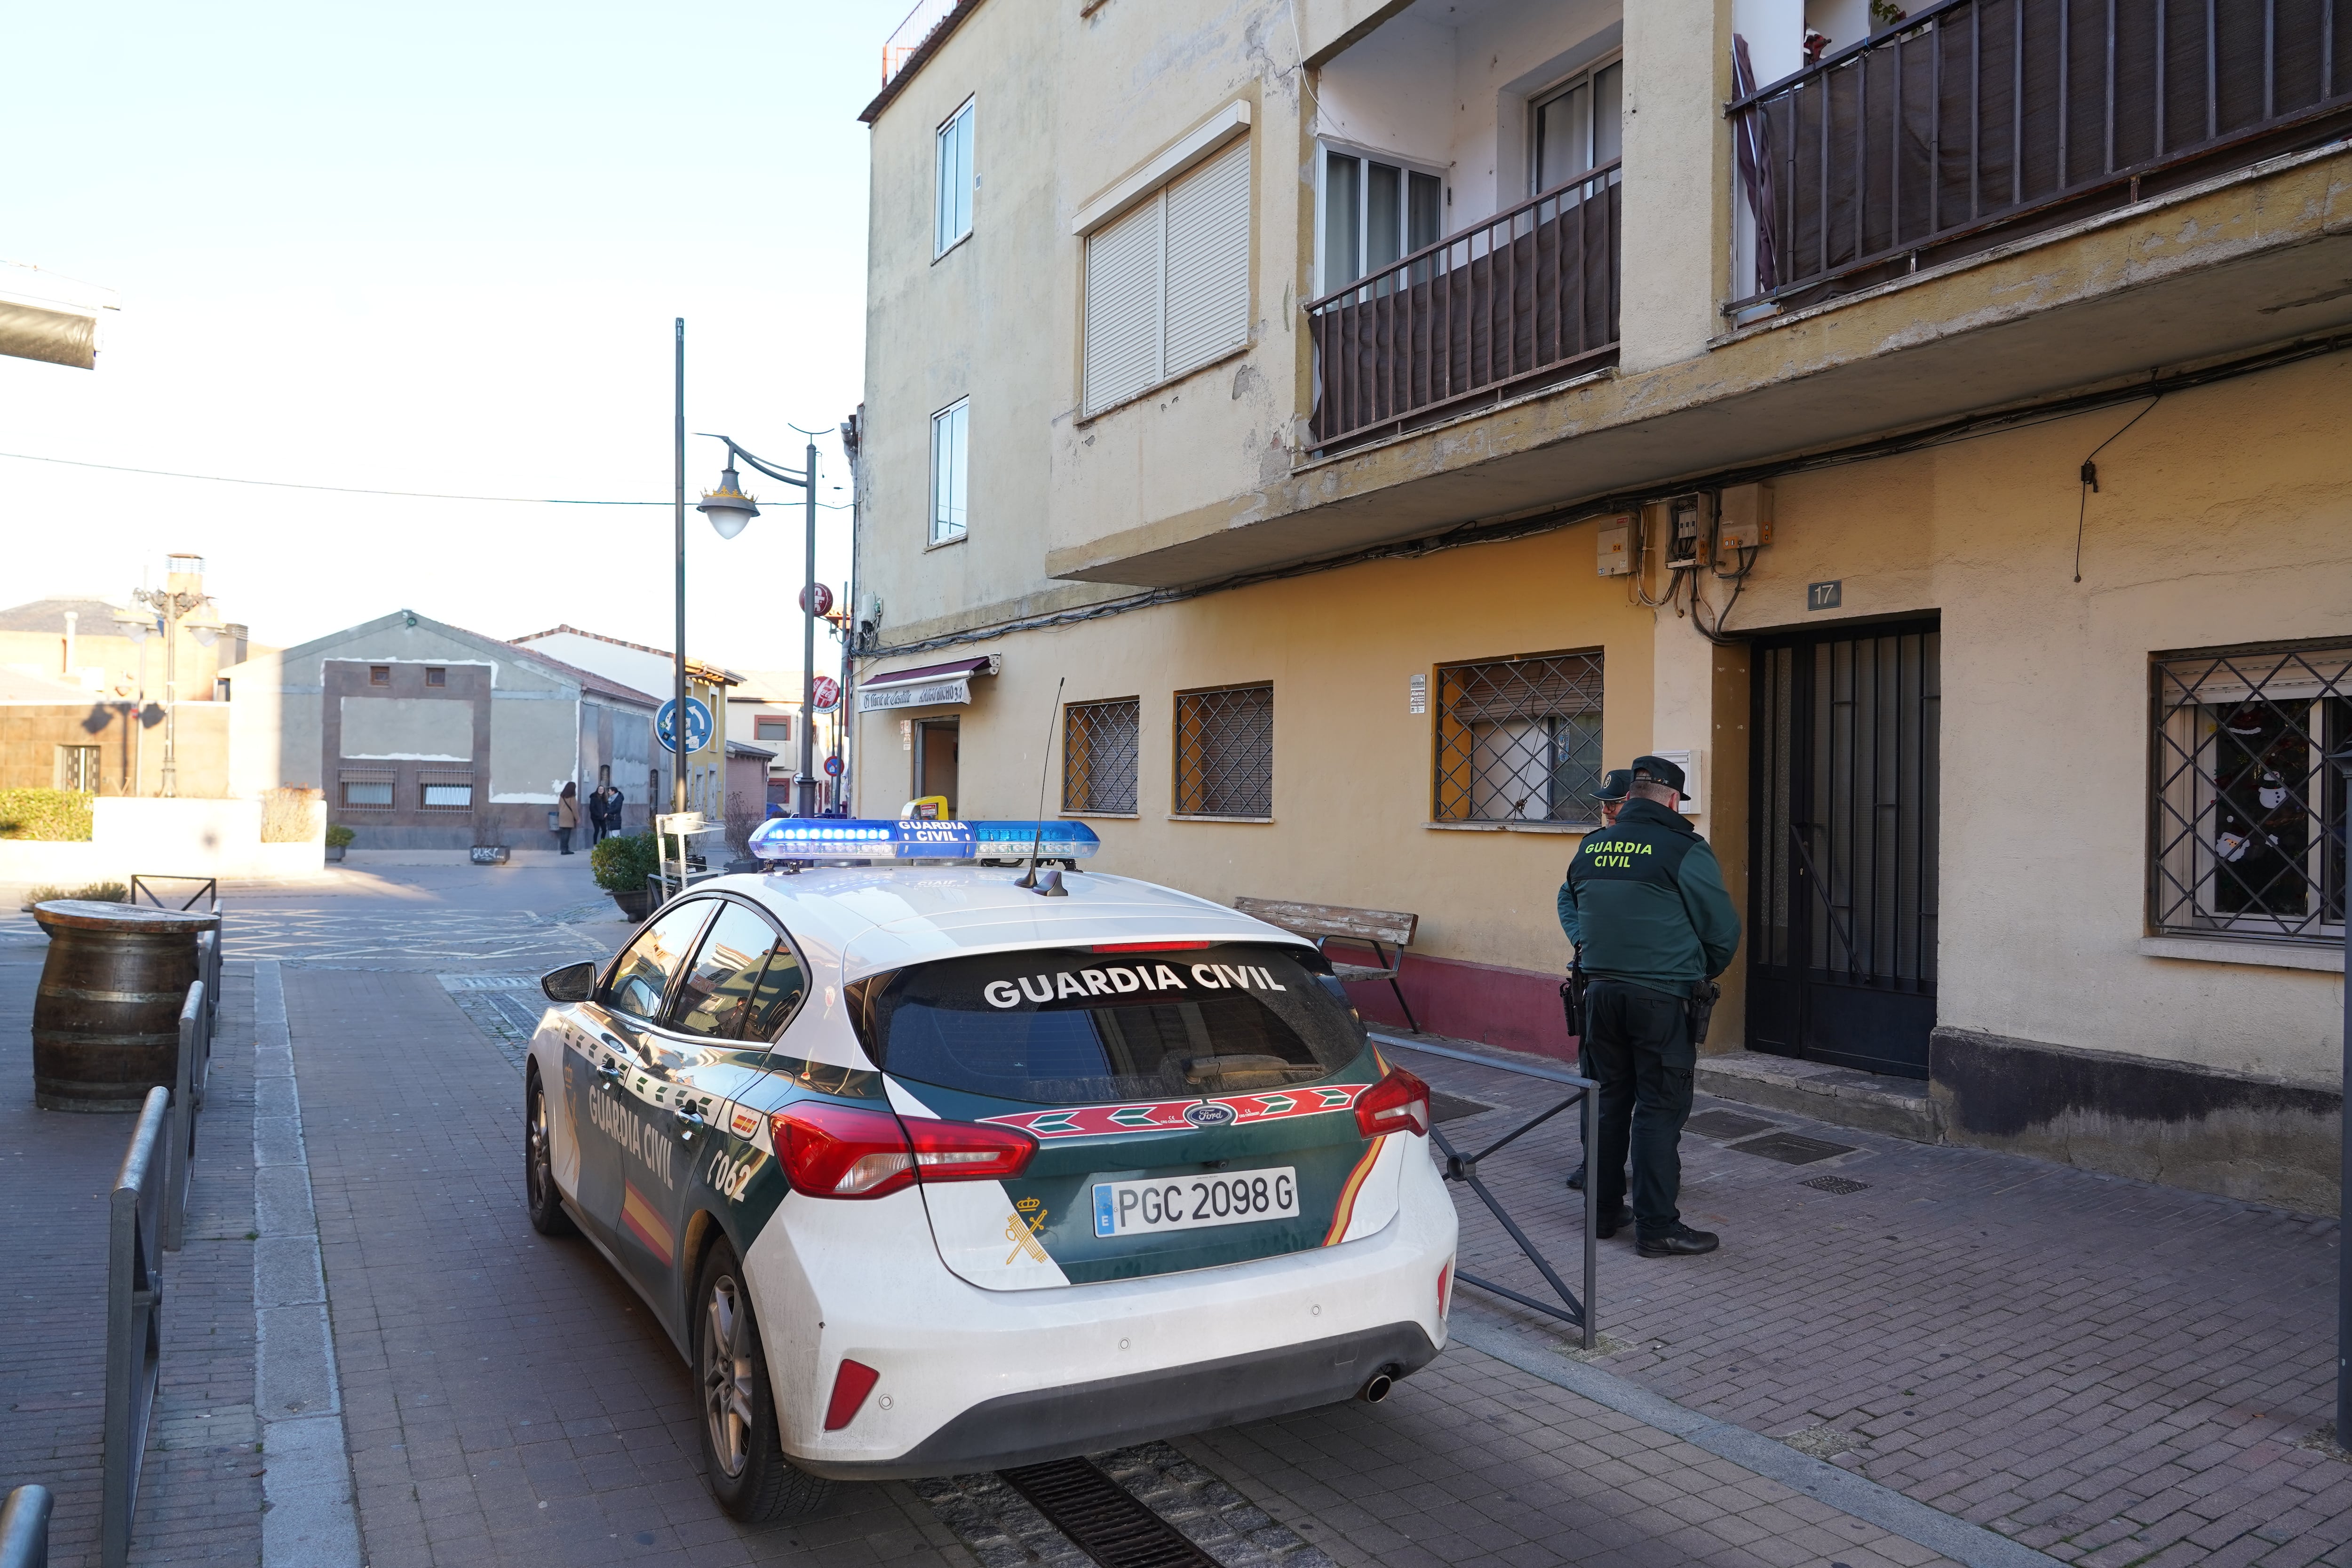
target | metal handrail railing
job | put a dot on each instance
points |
(25, 1528)
(1511, 297)
(1575, 1310)
(187, 1090)
(134, 1307)
(1948, 127)
(142, 886)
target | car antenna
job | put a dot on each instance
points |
(1038, 838)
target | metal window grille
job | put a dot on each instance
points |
(2246, 815)
(1518, 739)
(445, 792)
(78, 768)
(368, 791)
(1224, 751)
(1100, 747)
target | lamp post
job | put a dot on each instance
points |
(2342, 764)
(730, 509)
(175, 606)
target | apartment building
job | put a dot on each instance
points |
(1340, 429)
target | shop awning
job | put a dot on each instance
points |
(925, 686)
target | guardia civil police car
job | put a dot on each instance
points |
(926, 1170)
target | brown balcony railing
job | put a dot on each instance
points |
(1977, 121)
(1529, 295)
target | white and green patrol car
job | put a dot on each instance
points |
(927, 1172)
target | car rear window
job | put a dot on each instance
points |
(1057, 1027)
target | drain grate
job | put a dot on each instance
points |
(1444, 1107)
(1105, 1520)
(1791, 1149)
(1840, 1185)
(1724, 1125)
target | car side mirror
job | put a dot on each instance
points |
(572, 982)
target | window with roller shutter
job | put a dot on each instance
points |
(1168, 281)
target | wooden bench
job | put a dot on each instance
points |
(1380, 930)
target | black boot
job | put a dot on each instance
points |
(1607, 1227)
(1576, 1179)
(1677, 1240)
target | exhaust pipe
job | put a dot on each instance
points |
(1377, 1388)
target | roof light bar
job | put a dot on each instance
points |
(916, 838)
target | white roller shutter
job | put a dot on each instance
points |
(1123, 293)
(1208, 260)
(1168, 283)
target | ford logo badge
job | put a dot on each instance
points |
(1208, 1114)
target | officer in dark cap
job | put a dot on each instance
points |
(1615, 784)
(1644, 904)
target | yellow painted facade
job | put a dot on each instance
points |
(1922, 439)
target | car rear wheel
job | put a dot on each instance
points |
(741, 1454)
(546, 1204)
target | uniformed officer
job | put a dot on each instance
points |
(1614, 786)
(1645, 905)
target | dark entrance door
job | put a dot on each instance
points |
(1841, 890)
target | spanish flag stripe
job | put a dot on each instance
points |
(1345, 1210)
(645, 1222)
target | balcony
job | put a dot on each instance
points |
(1526, 298)
(1979, 121)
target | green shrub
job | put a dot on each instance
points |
(95, 892)
(623, 864)
(340, 838)
(53, 813)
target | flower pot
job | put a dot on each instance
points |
(334, 853)
(636, 904)
(489, 855)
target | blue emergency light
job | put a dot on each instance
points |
(919, 839)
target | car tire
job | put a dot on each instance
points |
(741, 1456)
(548, 1216)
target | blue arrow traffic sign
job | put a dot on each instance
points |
(698, 724)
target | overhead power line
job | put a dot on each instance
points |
(342, 490)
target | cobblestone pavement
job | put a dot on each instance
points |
(2114, 1372)
(200, 1497)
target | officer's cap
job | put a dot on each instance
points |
(1615, 785)
(1657, 770)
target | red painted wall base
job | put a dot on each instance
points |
(1514, 1008)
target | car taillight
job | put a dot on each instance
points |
(832, 1151)
(1398, 1103)
(842, 1150)
(968, 1151)
(851, 1385)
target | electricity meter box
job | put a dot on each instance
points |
(1616, 546)
(1745, 519)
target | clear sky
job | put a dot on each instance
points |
(439, 247)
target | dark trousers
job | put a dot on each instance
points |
(1638, 1047)
(596, 831)
(563, 840)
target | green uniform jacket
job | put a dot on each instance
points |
(1645, 901)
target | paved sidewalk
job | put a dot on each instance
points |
(200, 1497)
(2114, 1372)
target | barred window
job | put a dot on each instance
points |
(1100, 742)
(1224, 751)
(1520, 740)
(445, 792)
(2247, 820)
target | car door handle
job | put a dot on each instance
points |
(692, 1120)
(611, 1071)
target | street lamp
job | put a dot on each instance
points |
(176, 607)
(730, 509)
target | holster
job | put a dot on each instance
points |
(1572, 991)
(1700, 1009)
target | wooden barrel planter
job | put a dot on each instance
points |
(106, 1021)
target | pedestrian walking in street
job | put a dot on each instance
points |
(1645, 907)
(595, 817)
(567, 816)
(615, 808)
(1614, 786)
